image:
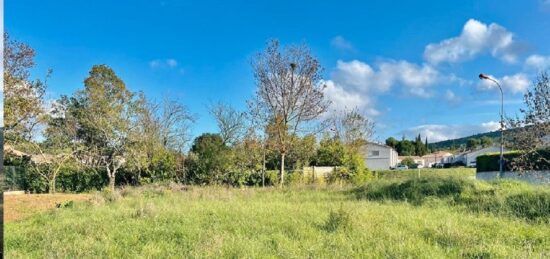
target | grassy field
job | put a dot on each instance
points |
(434, 217)
(437, 172)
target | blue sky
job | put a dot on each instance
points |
(412, 66)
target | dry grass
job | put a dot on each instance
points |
(18, 207)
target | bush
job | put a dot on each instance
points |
(243, 178)
(489, 162)
(340, 219)
(408, 161)
(71, 180)
(414, 190)
(294, 178)
(272, 177)
(339, 175)
(110, 196)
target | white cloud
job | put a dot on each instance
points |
(158, 63)
(514, 84)
(362, 77)
(439, 132)
(356, 84)
(154, 63)
(476, 38)
(342, 99)
(451, 97)
(171, 62)
(497, 102)
(490, 126)
(340, 43)
(538, 62)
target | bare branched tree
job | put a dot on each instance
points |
(160, 126)
(352, 127)
(532, 129)
(289, 91)
(175, 122)
(231, 123)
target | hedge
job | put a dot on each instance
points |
(489, 162)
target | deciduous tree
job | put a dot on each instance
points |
(23, 97)
(532, 128)
(105, 110)
(289, 91)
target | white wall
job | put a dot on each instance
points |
(318, 171)
(536, 177)
(379, 157)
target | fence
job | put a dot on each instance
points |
(11, 178)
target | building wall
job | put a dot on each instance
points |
(318, 171)
(470, 158)
(378, 157)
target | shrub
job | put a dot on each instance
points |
(294, 178)
(339, 175)
(336, 220)
(83, 180)
(110, 196)
(362, 177)
(408, 161)
(489, 162)
(414, 190)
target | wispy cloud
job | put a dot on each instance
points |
(515, 84)
(440, 132)
(342, 44)
(452, 98)
(538, 62)
(163, 63)
(497, 102)
(171, 62)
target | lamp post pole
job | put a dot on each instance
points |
(501, 161)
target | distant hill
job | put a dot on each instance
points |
(461, 142)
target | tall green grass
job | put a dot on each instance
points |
(505, 198)
(303, 222)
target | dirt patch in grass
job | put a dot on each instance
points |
(18, 207)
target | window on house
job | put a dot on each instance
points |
(375, 153)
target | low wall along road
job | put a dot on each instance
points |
(536, 177)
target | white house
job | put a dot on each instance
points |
(437, 157)
(469, 157)
(428, 160)
(378, 156)
(417, 160)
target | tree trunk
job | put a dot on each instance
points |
(52, 186)
(112, 182)
(282, 169)
(263, 167)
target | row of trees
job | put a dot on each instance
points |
(406, 147)
(473, 143)
(107, 130)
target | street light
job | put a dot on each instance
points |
(501, 161)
